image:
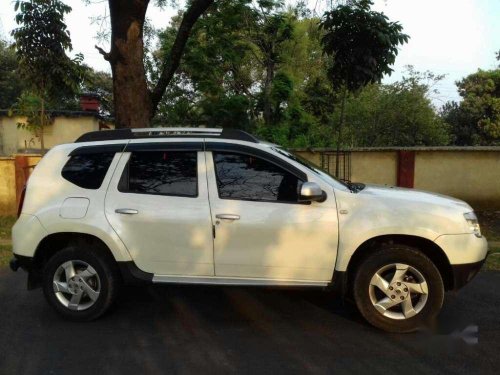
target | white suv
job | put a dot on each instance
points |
(212, 206)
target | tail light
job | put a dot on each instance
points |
(21, 201)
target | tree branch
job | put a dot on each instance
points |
(106, 55)
(170, 65)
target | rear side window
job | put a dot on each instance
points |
(161, 173)
(87, 171)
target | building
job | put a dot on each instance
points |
(66, 126)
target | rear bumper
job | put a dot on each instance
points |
(464, 273)
(27, 264)
(14, 264)
(20, 261)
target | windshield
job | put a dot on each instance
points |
(311, 166)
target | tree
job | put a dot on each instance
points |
(397, 114)
(28, 105)
(481, 101)
(221, 82)
(100, 83)
(232, 58)
(363, 44)
(269, 34)
(463, 128)
(135, 103)
(213, 82)
(10, 84)
(41, 42)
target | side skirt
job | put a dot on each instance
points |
(214, 280)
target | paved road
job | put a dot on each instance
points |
(226, 330)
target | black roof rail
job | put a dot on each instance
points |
(138, 133)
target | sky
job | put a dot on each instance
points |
(452, 37)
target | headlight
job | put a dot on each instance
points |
(471, 219)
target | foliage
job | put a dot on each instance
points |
(10, 84)
(476, 119)
(481, 100)
(398, 114)
(41, 41)
(216, 68)
(243, 56)
(222, 82)
(29, 105)
(362, 43)
(463, 129)
(100, 83)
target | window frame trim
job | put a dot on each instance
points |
(98, 149)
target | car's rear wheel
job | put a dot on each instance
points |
(398, 289)
(79, 283)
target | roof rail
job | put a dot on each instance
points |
(177, 131)
(139, 133)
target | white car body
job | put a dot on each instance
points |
(181, 240)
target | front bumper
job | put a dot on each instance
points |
(464, 273)
(461, 249)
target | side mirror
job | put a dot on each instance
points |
(311, 192)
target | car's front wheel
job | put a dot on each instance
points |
(79, 283)
(398, 289)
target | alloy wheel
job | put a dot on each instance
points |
(76, 285)
(398, 291)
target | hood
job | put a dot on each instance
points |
(414, 196)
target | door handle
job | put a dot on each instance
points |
(126, 211)
(227, 216)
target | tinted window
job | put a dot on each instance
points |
(87, 171)
(247, 177)
(161, 172)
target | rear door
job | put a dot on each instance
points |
(157, 202)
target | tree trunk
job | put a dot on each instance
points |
(42, 125)
(268, 82)
(339, 133)
(134, 104)
(133, 107)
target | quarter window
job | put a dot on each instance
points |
(161, 173)
(87, 171)
(247, 177)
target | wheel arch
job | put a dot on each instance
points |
(426, 246)
(55, 242)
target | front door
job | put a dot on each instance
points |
(157, 203)
(261, 230)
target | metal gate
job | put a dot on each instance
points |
(342, 170)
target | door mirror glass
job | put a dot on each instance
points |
(311, 191)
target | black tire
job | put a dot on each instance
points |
(386, 255)
(104, 266)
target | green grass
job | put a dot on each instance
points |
(6, 223)
(490, 224)
(5, 254)
(493, 261)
